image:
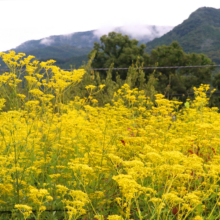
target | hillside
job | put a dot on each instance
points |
(200, 33)
(59, 52)
(79, 40)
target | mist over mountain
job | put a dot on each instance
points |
(143, 33)
(77, 45)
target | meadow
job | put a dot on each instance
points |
(70, 159)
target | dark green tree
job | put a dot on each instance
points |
(181, 80)
(119, 50)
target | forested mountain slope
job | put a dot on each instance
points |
(200, 33)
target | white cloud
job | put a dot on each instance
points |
(104, 31)
(164, 29)
(47, 41)
(137, 31)
(141, 31)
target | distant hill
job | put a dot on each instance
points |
(78, 40)
(200, 33)
(72, 49)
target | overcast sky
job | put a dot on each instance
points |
(23, 20)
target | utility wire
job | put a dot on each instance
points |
(158, 67)
(143, 68)
(155, 67)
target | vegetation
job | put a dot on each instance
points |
(86, 144)
(179, 81)
(64, 52)
(130, 159)
(120, 51)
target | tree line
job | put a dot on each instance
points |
(118, 51)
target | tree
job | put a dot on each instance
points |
(119, 50)
(184, 79)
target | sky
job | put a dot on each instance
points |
(23, 20)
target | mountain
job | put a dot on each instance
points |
(78, 40)
(200, 33)
(143, 33)
(72, 49)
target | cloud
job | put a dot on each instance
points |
(140, 32)
(164, 29)
(104, 31)
(47, 41)
(137, 31)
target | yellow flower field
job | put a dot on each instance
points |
(63, 159)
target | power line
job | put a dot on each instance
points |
(158, 67)
(143, 68)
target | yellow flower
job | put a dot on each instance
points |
(114, 217)
(198, 218)
(24, 209)
(101, 86)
